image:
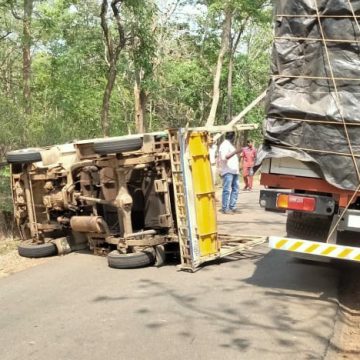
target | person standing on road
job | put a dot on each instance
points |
(248, 155)
(229, 171)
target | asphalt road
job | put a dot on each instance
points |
(258, 305)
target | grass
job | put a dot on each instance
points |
(8, 245)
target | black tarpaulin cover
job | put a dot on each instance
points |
(305, 113)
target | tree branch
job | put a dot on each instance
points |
(4, 36)
(115, 4)
(168, 13)
(15, 15)
(240, 32)
(105, 29)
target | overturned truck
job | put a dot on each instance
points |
(132, 198)
(310, 158)
(112, 195)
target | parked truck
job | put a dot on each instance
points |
(311, 153)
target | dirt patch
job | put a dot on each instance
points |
(346, 341)
(7, 246)
(11, 262)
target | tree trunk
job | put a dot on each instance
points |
(26, 47)
(150, 116)
(226, 33)
(233, 47)
(140, 105)
(111, 57)
(111, 76)
(230, 86)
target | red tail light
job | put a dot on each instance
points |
(295, 202)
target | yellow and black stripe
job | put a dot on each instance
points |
(315, 248)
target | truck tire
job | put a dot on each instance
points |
(117, 260)
(111, 146)
(31, 250)
(307, 227)
(23, 156)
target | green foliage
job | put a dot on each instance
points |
(175, 56)
(5, 192)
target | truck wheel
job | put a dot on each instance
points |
(31, 250)
(307, 227)
(130, 261)
(111, 146)
(23, 156)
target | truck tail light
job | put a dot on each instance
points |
(295, 202)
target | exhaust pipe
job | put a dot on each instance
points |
(89, 224)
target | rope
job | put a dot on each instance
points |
(293, 147)
(314, 77)
(353, 14)
(317, 121)
(343, 213)
(315, 16)
(337, 98)
(299, 38)
(338, 104)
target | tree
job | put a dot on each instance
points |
(234, 43)
(170, 49)
(224, 48)
(28, 9)
(113, 45)
(142, 53)
(236, 16)
(26, 49)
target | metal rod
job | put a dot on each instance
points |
(224, 128)
(238, 117)
(95, 200)
(140, 233)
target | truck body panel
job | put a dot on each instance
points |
(310, 160)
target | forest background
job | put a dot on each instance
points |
(72, 69)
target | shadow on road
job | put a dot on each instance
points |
(346, 338)
(280, 309)
(305, 276)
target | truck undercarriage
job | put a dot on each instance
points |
(131, 198)
(89, 193)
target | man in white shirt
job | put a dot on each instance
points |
(229, 170)
(212, 155)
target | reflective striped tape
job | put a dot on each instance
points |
(315, 248)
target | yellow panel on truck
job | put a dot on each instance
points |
(204, 194)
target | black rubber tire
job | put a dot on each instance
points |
(115, 146)
(117, 260)
(307, 227)
(30, 250)
(23, 156)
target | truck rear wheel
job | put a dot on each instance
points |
(307, 226)
(30, 250)
(110, 146)
(23, 156)
(131, 261)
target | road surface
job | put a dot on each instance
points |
(258, 305)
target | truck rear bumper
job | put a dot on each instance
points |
(315, 248)
(324, 205)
